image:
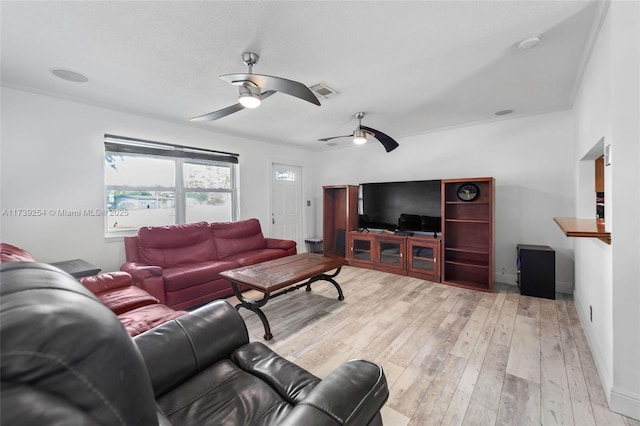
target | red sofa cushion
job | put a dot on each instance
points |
(184, 276)
(146, 317)
(11, 253)
(173, 245)
(237, 237)
(126, 299)
(117, 292)
(107, 281)
(256, 256)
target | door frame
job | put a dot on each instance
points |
(302, 215)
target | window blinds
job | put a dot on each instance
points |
(123, 144)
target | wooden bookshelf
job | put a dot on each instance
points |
(468, 235)
(340, 215)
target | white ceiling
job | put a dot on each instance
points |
(413, 67)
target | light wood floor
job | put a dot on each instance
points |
(451, 356)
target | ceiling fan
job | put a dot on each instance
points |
(254, 88)
(359, 135)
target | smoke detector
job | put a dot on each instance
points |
(323, 91)
(530, 41)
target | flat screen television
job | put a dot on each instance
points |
(401, 206)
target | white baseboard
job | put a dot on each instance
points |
(620, 401)
(625, 403)
(505, 278)
(606, 377)
(564, 287)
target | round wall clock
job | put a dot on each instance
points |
(468, 192)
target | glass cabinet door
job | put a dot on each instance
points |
(391, 253)
(361, 249)
(423, 258)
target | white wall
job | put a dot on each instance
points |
(52, 157)
(592, 256)
(625, 173)
(530, 158)
(607, 280)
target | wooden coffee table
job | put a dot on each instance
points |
(281, 274)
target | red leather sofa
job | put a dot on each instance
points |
(136, 309)
(180, 265)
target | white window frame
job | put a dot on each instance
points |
(119, 145)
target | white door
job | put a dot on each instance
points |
(286, 203)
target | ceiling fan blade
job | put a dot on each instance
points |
(218, 114)
(290, 87)
(336, 137)
(386, 140)
(228, 110)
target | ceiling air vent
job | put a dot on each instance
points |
(323, 91)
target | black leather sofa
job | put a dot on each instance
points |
(67, 360)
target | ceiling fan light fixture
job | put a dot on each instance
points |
(249, 96)
(359, 136)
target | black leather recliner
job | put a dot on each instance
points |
(67, 360)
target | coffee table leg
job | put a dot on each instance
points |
(265, 323)
(254, 306)
(325, 277)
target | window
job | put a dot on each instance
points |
(286, 175)
(154, 184)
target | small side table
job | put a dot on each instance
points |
(77, 268)
(314, 245)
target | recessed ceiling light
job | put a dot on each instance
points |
(530, 41)
(69, 75)
(504, 112)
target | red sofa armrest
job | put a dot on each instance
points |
(117, 292)
(140, 271)
(275, 243)
(105, 282)
(148, 278)
(11, 253)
